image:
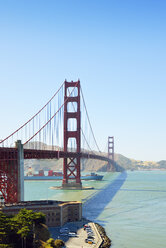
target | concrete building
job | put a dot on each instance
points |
(57, 212)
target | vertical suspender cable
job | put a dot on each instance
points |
(89, 121)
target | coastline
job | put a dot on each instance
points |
(106, 240)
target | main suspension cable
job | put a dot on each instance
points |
(81, 128)
(50, 118)
(89, 121)
(33, 116)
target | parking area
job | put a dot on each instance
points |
(75, 235)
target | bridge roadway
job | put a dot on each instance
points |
(11, 153)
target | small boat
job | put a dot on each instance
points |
(92, 176)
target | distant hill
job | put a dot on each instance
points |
(132, 164)
(95, 165)
(121, 163)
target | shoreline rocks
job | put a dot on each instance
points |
(106, 240)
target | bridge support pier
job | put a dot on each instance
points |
(71, 165)
(20, 162)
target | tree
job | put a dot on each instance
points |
(27, 220)
(51, 243)
(59, 243)
(4, 228)
(19, 230)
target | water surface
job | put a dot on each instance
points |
(131, 206)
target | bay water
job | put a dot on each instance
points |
(131, 206)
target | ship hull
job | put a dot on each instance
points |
(36, 178)
(97, 177)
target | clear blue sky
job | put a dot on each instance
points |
(116, 47)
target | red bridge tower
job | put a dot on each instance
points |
(12, 174)
(71, 165)
(111, 153)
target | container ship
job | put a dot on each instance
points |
(53, 175)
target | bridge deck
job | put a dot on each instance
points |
(9, 153)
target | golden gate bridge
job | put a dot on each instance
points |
(60, 129)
